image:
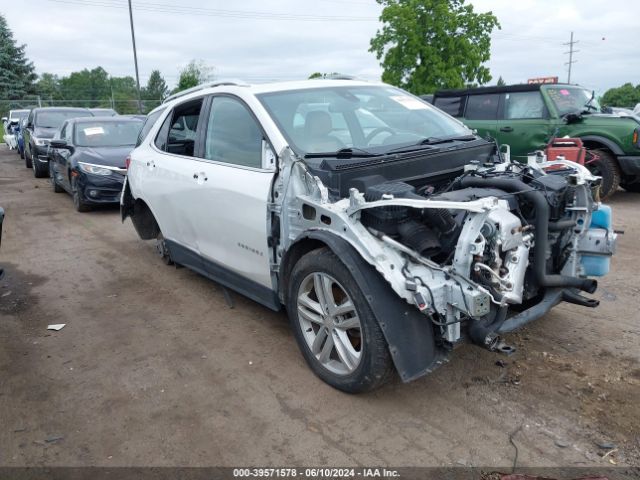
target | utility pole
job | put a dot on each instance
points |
(570, 52)
(113, 104)
(135, 57)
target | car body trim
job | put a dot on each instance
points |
(222, 275)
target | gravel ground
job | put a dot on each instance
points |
(153, 367)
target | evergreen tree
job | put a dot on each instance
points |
(156, 89)
(17, 73)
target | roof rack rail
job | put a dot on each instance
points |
(202, 86)
(339, 76)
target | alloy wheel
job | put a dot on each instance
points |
(329, 323)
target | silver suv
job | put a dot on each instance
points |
(386, 228)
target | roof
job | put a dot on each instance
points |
(231, 85)
(109, 119)
(61, 109)
(523, 87)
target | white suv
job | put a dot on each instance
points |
(386, 228)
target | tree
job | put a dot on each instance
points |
(17, 73)
(156, 89)
(195, 73)
(501, 82)
(426, 45)
(625, 96)
(87, 88)
(48, 87)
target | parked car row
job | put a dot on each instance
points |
(527, 117)
(82, 151)
(388, 230)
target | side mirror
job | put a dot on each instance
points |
(570, 118)
(59, 143)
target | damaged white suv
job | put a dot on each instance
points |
(387, 229)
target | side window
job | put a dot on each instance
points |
(523, 105)
(161, 138)
(178, 132)
(62, 133)
(68, 135)
(233, 135)
(148, 124)
(450, 105)
(30, 119)
(482, 107)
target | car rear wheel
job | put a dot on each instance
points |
(163, 251)
(27, 159)
(334, 326)
(605, 166)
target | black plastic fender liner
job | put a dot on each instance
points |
(408, 332)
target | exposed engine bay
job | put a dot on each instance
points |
(478, 248)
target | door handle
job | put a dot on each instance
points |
(200, 177)
(506, 129)
(151, 163)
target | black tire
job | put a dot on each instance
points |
(375, 367)
(631, 187)
(21, 152)
(27, 159)
(163, 251)
(54, 183)
(78, 203)
(606, 167)
(40, 170)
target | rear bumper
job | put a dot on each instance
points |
(629, 164)
(98, 189)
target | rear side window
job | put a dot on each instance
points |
(523, 105)
(178, 132)
(450, 105)
(148, 125)
(482, 107)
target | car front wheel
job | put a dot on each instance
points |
(604, 165)
(78, 202)
(334, 326)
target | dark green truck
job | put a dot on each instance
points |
(526, 117)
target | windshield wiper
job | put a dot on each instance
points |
(430, 141)
(348, 152)
(588, 105)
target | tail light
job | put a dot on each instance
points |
(127, 162)
(636, 139)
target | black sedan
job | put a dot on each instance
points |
(87, 158)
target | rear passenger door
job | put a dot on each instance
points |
(233, 180)
(170, 188)
(481, 113)
(523, 123)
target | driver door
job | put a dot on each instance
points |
(233, 182)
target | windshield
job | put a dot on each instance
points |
(54, 119)
(18, 115)
(107, 134)
(572, 100)
(376, 119)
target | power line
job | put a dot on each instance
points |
(214, 12)
(571, 51)
(135, 59)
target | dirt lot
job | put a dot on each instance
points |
(153, 367)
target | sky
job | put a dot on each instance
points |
(258, 41)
